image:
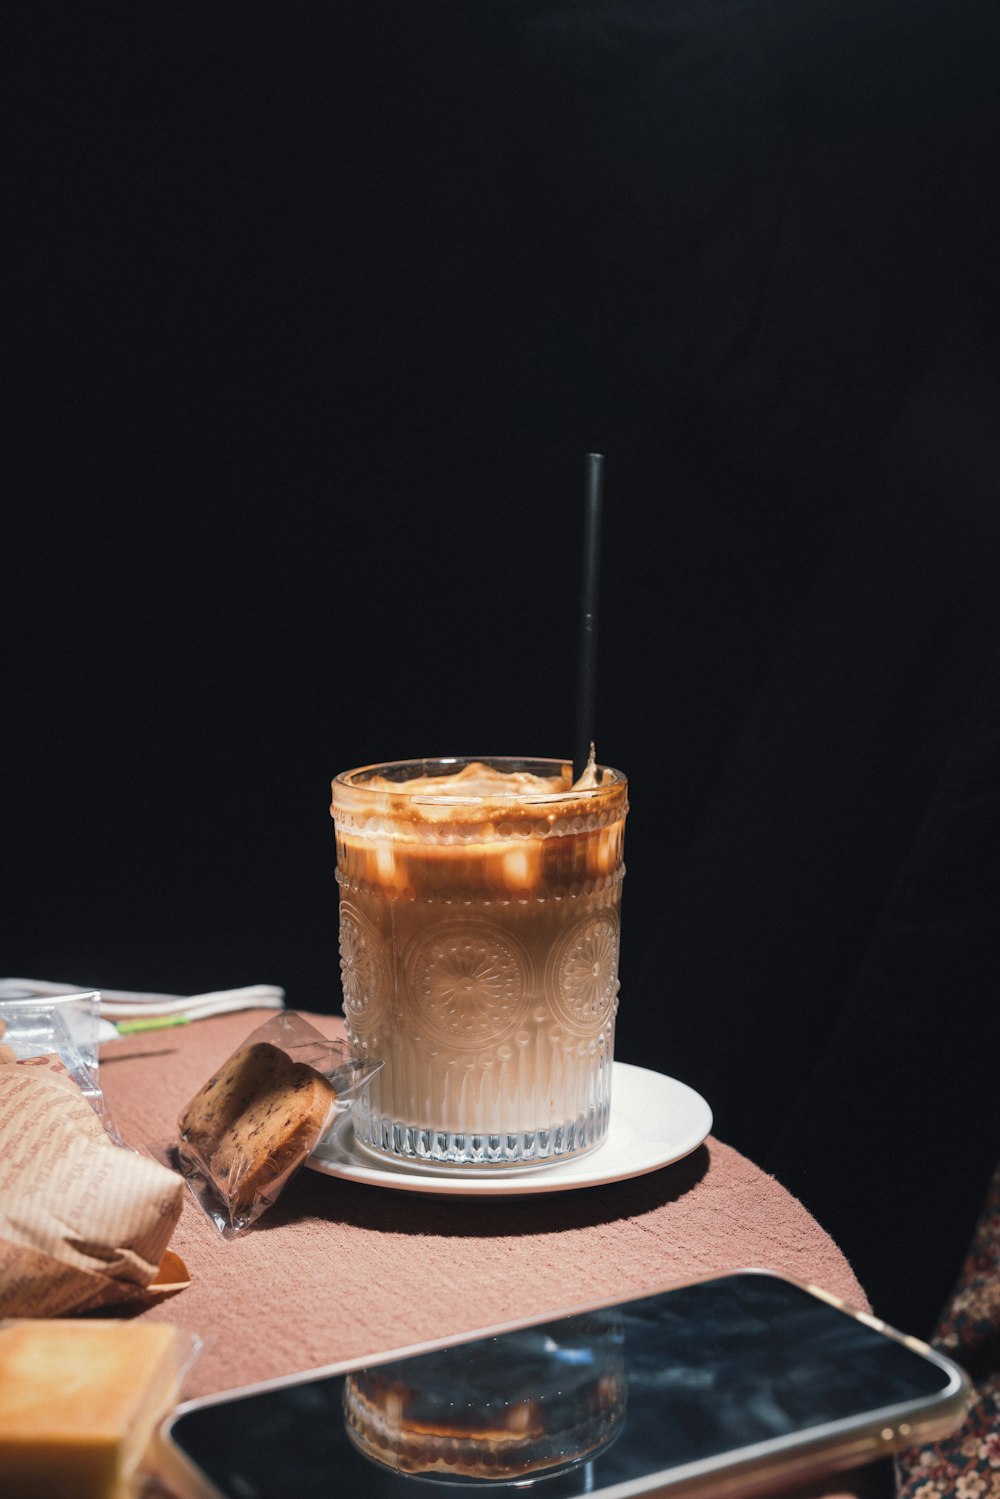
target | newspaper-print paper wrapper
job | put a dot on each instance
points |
(223, 1166)
(84, 1222)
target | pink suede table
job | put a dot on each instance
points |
(340, 1269)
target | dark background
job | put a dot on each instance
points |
(319, 309)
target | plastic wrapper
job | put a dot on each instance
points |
(66, 1026)
(260, 1115)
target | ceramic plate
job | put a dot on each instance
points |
(655, 1120)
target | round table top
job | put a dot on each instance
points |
(341, 1269)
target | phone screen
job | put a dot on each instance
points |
(574, 1405)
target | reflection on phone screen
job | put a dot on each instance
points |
(571, 1406)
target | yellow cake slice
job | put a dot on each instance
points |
(79, 1402)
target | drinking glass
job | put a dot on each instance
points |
(479, 940)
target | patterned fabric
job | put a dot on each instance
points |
(967, 1465)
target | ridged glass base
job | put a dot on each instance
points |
(540, 1147)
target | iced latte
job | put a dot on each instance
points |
(479, 934)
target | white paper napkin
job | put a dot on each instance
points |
(120, 1004)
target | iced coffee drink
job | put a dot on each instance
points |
(479, 935)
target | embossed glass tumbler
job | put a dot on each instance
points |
(479, 936)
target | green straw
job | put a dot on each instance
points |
(156, 1023)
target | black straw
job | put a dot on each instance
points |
(586, 686)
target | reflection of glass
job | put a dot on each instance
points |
(534, 1402)
(479, 935)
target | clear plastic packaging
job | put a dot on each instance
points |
(251, 1125)
(66, 1026)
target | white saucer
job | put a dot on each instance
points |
(655, 1120)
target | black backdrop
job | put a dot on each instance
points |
(320, 308)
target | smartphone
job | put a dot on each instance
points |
(727, 1385)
